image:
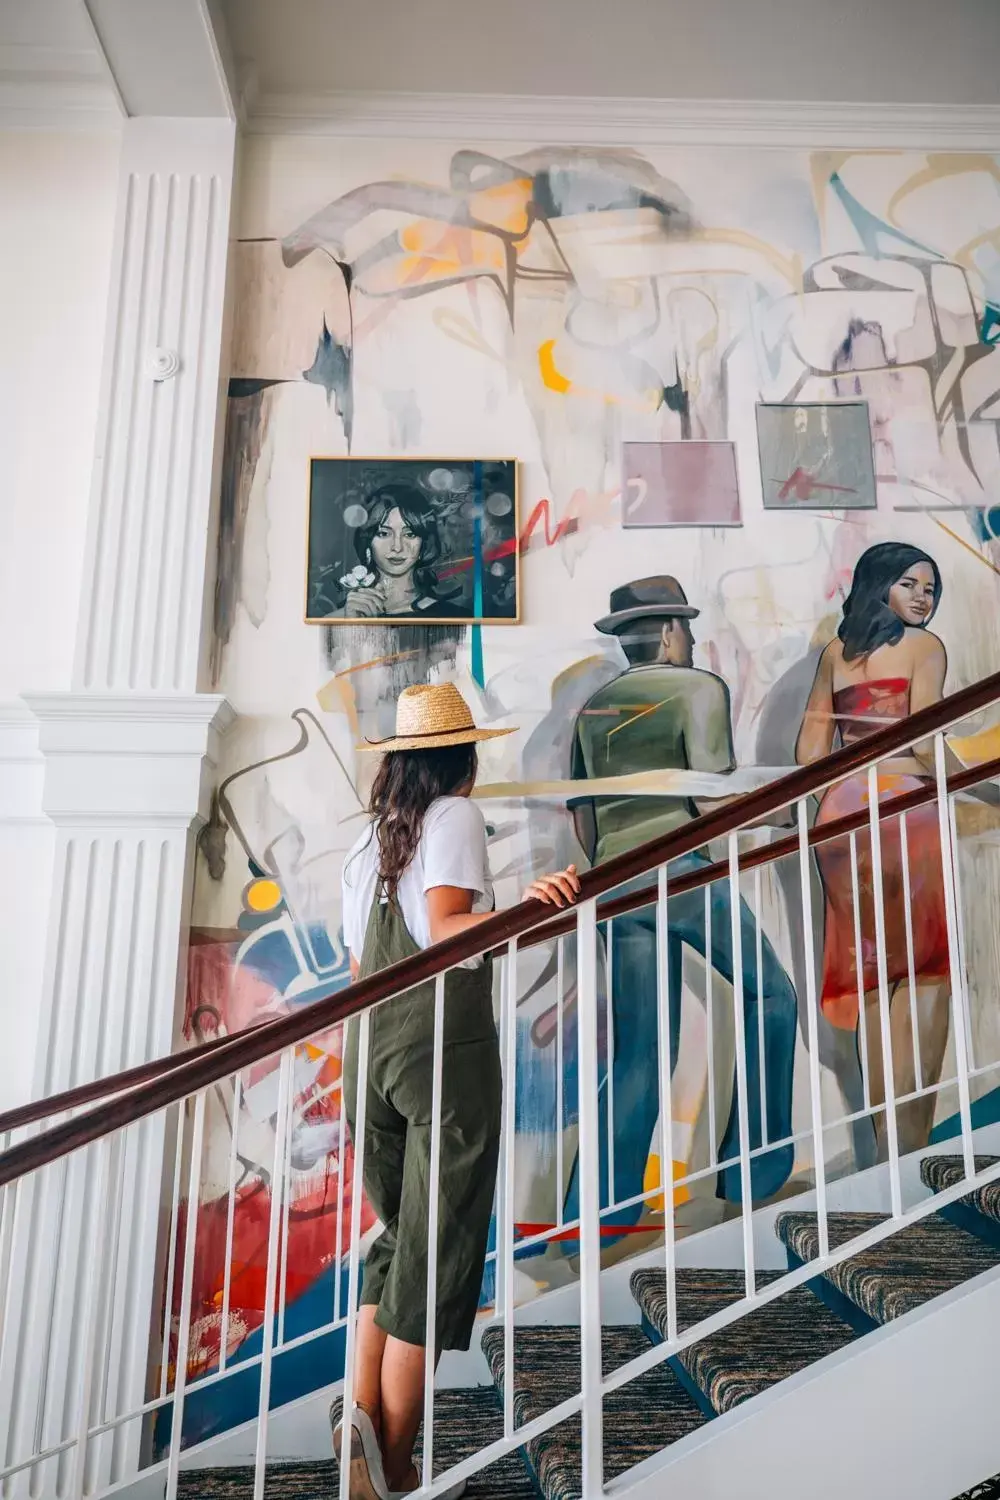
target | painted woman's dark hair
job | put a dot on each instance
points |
(868, 620)
(418, 513)
(405, 785)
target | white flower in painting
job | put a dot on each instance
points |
(358, 578)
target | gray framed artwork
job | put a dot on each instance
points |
(816, 456)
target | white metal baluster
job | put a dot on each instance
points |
(590, 1203)
(904, 854)
(758, 912)
(187, 1283)
(560, 1103)
(812, 1030)
(500, 1208)
(609, 1087)
(882, 966)
(666, 1100)
(506, 1249)
(286, 1209)
(282, 1127)
(172, 1245)
(859, 967)
(713, 1135)
(90, 1314)
(227, 1283)
(958, 996)
(341, 1143)
(742, 1099)
(960, 922)
(353, 1283)
(433, 1192)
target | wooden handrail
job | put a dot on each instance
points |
(175, 1078)
(556, 926)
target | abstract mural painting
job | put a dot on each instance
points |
(816, 456)
(410, 541)
(680, 484)
(602, 314)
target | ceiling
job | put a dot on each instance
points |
(51, 63)
(91, 61)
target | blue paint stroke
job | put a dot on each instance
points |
(870, 228)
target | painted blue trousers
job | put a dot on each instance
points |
(635, 1059)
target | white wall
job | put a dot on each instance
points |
(57, 201)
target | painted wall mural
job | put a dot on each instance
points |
(727, 376)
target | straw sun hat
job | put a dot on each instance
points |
(429, 718)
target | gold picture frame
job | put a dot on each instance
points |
(465, 514)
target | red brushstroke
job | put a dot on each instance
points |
(608, 1230)
(801, 485)
(312, 1241)
(539, 516)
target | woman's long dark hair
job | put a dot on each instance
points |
(868, 620)
(405, 785)
(418, 513)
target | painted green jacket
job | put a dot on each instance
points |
(650, 718)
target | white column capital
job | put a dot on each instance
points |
(130, 760)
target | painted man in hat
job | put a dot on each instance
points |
(663, 713)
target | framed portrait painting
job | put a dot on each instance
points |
(409, 541)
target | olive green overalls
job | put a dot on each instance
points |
(398, 1136)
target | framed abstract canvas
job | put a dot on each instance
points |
(686, 483)
(409, 541)
(816, 456)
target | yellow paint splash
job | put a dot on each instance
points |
(652, 1179)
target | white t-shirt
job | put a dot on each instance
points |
(452, 851)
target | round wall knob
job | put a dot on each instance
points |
(164, 363)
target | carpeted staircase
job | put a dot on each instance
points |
(705, 1380)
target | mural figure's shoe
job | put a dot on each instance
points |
(367, 1481)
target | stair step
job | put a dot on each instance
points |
(898, 1274)
(547, 1371)
(763, 1348)
(465, 1421)
(979, 1213)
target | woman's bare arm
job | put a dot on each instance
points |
(449, 908)
(816, 734)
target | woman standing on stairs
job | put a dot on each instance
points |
(884, 665)
(418, 875)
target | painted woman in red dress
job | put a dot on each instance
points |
(884, 665)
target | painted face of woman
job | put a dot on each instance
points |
(395, 548)
(912, 596)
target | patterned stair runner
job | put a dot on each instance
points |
(465, 1421)
(979, 1213)
(899, 1273)
(747, 1357)
(640, 1420)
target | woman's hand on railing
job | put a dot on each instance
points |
(560, 889)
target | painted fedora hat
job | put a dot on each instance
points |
(659, 598)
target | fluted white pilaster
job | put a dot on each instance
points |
(141, 610)
(128, 761)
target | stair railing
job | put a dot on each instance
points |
(112, 1352)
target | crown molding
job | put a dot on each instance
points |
(608, 121)
(57, 104)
